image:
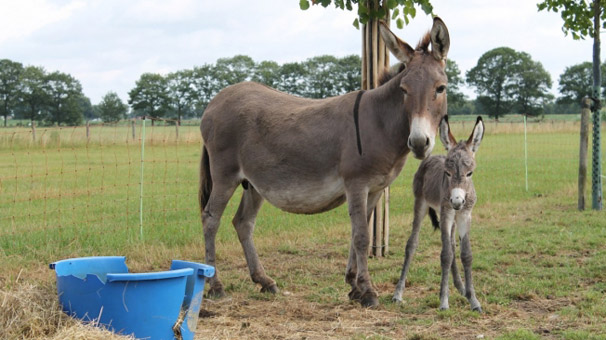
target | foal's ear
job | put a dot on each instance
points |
(476, 135)
(440, 39)
(399, 48)
(445, 135)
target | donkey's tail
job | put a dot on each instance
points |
(206, 182)
(434, 219)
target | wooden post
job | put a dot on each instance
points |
(177, 128)
(375, 59)
(34, 131)
(132, 124)
(87, 131)
(586, 108)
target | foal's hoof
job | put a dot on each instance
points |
(215, 292)
(369, 300)
(478, 309)
(397, 300)
(273, 288)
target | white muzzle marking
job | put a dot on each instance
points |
(421, 140)
(457, 198)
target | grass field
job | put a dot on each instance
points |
(539, 264)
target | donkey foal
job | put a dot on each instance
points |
(443, 184)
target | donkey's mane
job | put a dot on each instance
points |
(388, 74)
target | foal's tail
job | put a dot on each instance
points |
(434, 219)
(206, 182)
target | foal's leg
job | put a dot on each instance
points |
(420, 211)
(352, 266)
(357, 199)
(211, 220)
(456, 277)
(244, 222)
(467, 258)
(447, 256)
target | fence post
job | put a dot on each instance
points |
(141, 181)
(34, 131)
(87, 131)
(132, 124)
(526, 153)
(585, 109)
(177, 128)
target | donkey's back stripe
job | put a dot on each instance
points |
(355, 112)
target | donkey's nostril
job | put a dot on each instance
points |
(427, 142)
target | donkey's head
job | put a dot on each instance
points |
(460, 161)
(423, 84)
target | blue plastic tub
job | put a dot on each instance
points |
(154, 306)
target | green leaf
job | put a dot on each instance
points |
(391, 4)
(304, 4)
(400, 23)
(396, 12)
(356, 23)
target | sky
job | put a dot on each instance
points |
(108, 44)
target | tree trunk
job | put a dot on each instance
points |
(375, 59)
(596, 181)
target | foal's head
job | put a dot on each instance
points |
(423, 83)
(460, 161)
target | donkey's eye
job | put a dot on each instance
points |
(404, 91)
(441, 89)
(469, 174)
(447, 173)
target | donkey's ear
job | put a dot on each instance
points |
(445, 135)
(400, 49)
(440, 39)
(476, 135)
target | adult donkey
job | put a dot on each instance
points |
(308, 156)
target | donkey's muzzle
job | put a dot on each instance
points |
(420, 146)
(457, 198)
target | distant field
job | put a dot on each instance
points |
(539, 263)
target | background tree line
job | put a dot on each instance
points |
(505, 81)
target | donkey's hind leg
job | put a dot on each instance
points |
(244, 222)
(420, 211)
(211, 220)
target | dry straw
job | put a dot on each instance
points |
(29, 311)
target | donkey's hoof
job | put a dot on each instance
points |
(369, 300)
(355, 294)
(272, 288)
(478, 309)
(216, 292)
(397, 300)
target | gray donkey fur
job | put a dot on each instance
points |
(444, 184)
(309, 156)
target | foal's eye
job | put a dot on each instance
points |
(447, 173)
(404, 91)
(441, 89)
(469, 174)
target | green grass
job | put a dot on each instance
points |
(539, 264)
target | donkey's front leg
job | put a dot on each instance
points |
(357, 202)
(447, 256)
(466, 257)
